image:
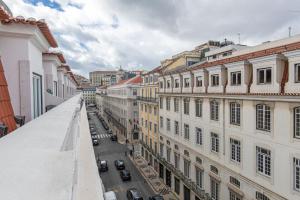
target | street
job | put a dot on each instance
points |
(111, 151)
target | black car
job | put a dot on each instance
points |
(102, 166)
(114, 138)
(120, 164)
(93, 133)
(156, 197)
(95, 142)
(125, 175)
(134, 194)
(95, 136)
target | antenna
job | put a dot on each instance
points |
(239, 37)
(290, 31)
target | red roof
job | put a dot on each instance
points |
(4, 14)
(6, 110)
(134, 80)
(40, 24)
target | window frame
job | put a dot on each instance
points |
(214, 110)
(235, 150)
(297, 72)
(198, 107)
(235, 113)
(264, 159)
(236, 78)
(199, 81)
(264, 113)
(186, 82)
(199, 136)
(186, 132)
(215, 142)
(215, 80)
(186, 106)
(296, 122)
(264, 70)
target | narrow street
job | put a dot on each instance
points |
(111, 151)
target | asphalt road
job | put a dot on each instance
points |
(111, 151)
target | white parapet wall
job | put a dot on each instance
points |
(51, 157)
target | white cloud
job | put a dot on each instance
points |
(102, 34)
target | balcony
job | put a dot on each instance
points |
(51, 157)
(147, 99)
(187, 182)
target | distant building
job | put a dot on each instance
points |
(88, 94)
(82, 81)
(103, 78)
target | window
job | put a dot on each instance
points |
(161, 102)
(198, 107)
(134, 92)
(168, 124)
(235, 113)
(169, 154)
(235, 147)
(297, 72)
(142, 121)
(263, 117)
(186, 132)
(142, 107)
(161, 149)
(215, 80)
(161, 85)
(186, 106)
(186, 167)
(198, 81)
(261, 196)
(264, 76)
(168, 83)
(176, 127)
(134, 103)
(234, 196)
(186, 82)
(214, 189)
(176, 104)
(176, 160)
(155, 110)
(214, 110)
(214, 169)
(146, 108)
(199, 136)
(37, 95)
(199, 177)
(150, 126)
(176, 83)
(297, 122)
(263, 161)
(236, 78)
(161, 122)
(168, 100)
(55, 91)
(214, 142)
(234, 182)
(155, 128)
(177, 185)
(297, 174)
(146, 123)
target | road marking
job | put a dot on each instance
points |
(104, 135)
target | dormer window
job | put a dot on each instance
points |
(176, 83)
(297, 73)
(264, 76)
(168, 84)
(199, 81)
(215, 80)
(186, 82)
(236, 78)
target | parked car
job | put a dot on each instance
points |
(125, 175)
(156, 197)
(92, 128)
(114, 138)
(111, 195)
(120, 165)
(134, 194)
(109, 131)
(94, 133)
(95, 142)
(102, 166)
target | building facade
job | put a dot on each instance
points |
(103, 78)
(229, 128)
(89, 95)
(149, 117)
(121, 109)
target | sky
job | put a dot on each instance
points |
(138, 34)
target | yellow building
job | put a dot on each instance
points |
(148, 110)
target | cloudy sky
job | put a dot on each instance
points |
(138, 34)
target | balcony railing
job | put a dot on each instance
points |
(51, 157)
(148, 99)
(187, 182)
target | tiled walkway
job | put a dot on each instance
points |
(152, 178)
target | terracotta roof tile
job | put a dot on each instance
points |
(40, 24)
(6, 110)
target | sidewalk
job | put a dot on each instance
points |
(152, 178)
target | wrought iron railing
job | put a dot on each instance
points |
(148, 99)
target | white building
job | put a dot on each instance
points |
(31, 74)
(230, 128)
(89, 94)
(121, 108)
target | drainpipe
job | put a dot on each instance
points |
(285, 77)
(192, 81)
(223, 128)
(250, 79)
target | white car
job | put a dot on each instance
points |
(111, 195)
